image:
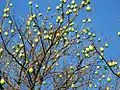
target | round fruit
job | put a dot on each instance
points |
(88, 8)
(109, 79)
(6, 33)
(30, 3)
(72, 86)
(118, 33)
(2, 81)
(30, 70)
(37, 6)
(102, 49)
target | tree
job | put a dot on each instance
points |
(53, 52)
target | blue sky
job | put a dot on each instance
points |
(105, 16)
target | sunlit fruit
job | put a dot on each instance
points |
(30, 3)
(98, 67)
(106, 45)
(44, 83)
(57, 7)
(118, 33)
(72, 86)
(49, 8)
(89, 20)
(37, 6)
(91, 48)
(102, 49)
(73, 2)
(10, 21)
(12, 31)
(78, 54)
(2, 81)
(118, 74)
(11, 4)
(6, 33)
(96, 72)
(109, 79)
(88, 8)
(1, 50)
(31, 70)
(90, 85)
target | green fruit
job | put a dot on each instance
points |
(11, 4)
(71, 67)
(87, 49)
(106, 45)
(103, 76)
(49, 8)
(37, 6)
(109, 79)
(73, 2)
(57, 7)
(90, 85)
(30, 70)
(98, 67)
(1, 50)
(10, 21)
(12, 31)
(2, 81)
(99, 39)
(84, 21)
(118, 33)
(89, 20)
(44, 83)
(88, 8)
(96, 72)
(6, 33)
(72, 86)
(91, 48)
(78, 54)
(30, 3)
(102, 49)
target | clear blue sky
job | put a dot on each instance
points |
(105, 15)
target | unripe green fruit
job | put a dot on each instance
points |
(73, 2)
(49, 8)
(72, 86)
(91, 48)
(88, 8)
(12, 31)
(2, 81)
(10, 21)
(84, 21)
(11, 4)
(90, 85)
(44, 83)
(37, 6)
(78, 54)
(118, 33)
(96, 72)
(102, 49)
(1, 50)
(57, 7)
(89, 20)
(109, 79)
(30, 3)
(30, 70)
(6, 33)
(106, 45)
